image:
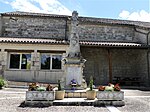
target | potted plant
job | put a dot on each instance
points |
(60, 93)
(110, 92)
(2, 82)
(91, 94)
(73, 84)
(39, 93)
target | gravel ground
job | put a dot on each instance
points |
(12, 98)
(13, 106)
(136, 105)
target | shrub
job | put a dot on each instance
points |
(41, 89)
(91, 83)
(2, 82)
(110, 87)
(59, 86)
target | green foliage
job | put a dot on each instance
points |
(59, 86)
(91, 83)
(2, 82)
(41, 89)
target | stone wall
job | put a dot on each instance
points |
(34, 27)
(59, 28)
(141, 37)
(129, 63)
(125, 63)
(105, 32)
(96, 65)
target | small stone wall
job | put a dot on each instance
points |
(40, 96)
(110, 95)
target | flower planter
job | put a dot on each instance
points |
(110, 95)
(59, 95)
(40, 95)
(91, 94)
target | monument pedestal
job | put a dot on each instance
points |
(74, 71)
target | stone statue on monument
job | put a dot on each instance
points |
(73, 61)
(74, 47)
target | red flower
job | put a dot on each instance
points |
(101, 88)
(117, 87)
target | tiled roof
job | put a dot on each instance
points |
(112, 44)
(82, 43)
(116, 21)
(31, 41)
(83, 19)
(19, 13)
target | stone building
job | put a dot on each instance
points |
(32, 46)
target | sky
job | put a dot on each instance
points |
(137, 10)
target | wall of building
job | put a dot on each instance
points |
(141, 35)
(59, 28)
(125, 63)
(96, 65)
(35, 73)
(130, 63)
(99, 32)
(45, 27)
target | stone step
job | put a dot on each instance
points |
(75, 94)
(73, 102)
(85, 102)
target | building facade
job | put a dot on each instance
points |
(32, 46)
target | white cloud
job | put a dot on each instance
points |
(136, 16)
(39, 6)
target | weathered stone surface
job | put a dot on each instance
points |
(74, 72)
(105, 33)
(75, 94)
(73, 61)
(34, 27)
(110, 95)
(38, 103)
(125, 63)
(40, 95)
(100, 103)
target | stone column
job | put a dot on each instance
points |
(35, 64)
(3, 62)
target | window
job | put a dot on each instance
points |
(20, 61)
(51, 61)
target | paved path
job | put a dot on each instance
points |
(135, 100)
